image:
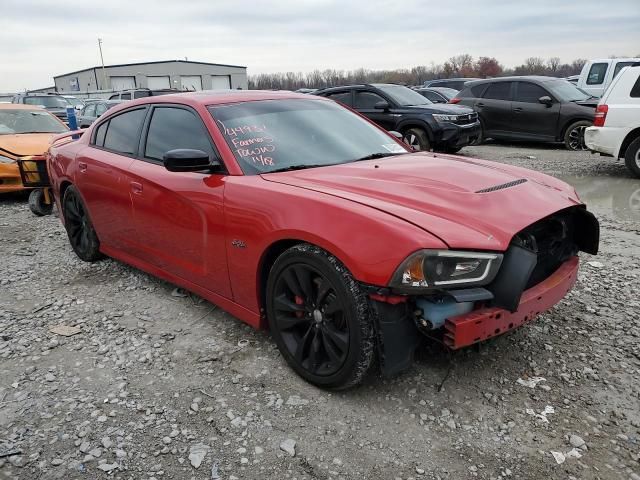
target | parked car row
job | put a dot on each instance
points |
(422, 124)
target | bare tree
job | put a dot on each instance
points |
(553, 64)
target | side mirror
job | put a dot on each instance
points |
(187, 160)
(381, 105)
(546, 100)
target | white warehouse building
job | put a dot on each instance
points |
(180, 74)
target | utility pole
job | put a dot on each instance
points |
(104, 75)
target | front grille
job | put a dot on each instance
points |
(553, 241)
(466, 119)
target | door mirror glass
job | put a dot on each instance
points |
(187, 160)
(381, 105)
(545, 100)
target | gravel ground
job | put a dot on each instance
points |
(161, 385)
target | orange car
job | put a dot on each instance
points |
(25, 134)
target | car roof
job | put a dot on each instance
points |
(533, 78)
(20, 106)
(220, 97)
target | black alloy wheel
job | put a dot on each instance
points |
(417, 139)
(574, 136)
(319, 317)
(82, 236)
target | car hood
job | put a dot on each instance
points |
(441, 108)
(467, 203)
(25, 144)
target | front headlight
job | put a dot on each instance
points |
(442, 269)
(439, 117)
(6, 159)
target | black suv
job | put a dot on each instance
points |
(423, 124)
(55, 104)
(545, 109)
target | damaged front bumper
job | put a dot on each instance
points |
(484, 323)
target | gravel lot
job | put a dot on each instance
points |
(158, 385)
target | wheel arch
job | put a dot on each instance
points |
(403, 127)
(570, 122)
(631, 136)
(271, 254)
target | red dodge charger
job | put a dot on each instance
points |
(296, 214)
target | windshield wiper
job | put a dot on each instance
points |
(375, 156)
(300, 166)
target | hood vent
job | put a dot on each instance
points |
(503, 186)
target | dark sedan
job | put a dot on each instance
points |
(92, 111)
(544, 109)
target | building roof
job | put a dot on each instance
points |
(150, 63)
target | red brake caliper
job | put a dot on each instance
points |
(299, 301)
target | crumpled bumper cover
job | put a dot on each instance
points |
(482, 324)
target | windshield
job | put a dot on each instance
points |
(47, 102)
(272, 135)
(29, 121)
(566, 91)
(403, 96)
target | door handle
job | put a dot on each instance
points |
(136, 188)
(82, 167)
(480, 104)
(517, 109)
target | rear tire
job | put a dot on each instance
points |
(320, 318)
(417, 139)
(574, 135)
(632, 157)
(82, 236)
(37, 203)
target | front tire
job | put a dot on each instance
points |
(417, 139)
(632, 157)
(38, 205)
(320, 318)
(82, 236)
(574, 135)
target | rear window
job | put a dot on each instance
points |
(635, 91)
(597, 73)
(123, 133)
(498, 91)
(620, 66)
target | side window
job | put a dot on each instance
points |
(100, 109)
(89, 110)
(140, 94)
(171, 128)
(529, 92)
(433, 96)
(125, 96)
(367, 99)
(100, 133)
(498, 91)
(342, 97)
(597, 73)
(635, 90)
(477, 90)
(123, 134)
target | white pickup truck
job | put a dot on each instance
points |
(597, 75)
(616, 127)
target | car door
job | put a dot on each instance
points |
(103, 176)
(494, 108)
(178, 216)
(532, 119)
(364, 101)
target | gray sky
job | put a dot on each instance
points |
(40, 39)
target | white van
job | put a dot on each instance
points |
(597, 75)
(616, 127)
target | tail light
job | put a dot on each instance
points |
(601, 115)
(455, 100)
